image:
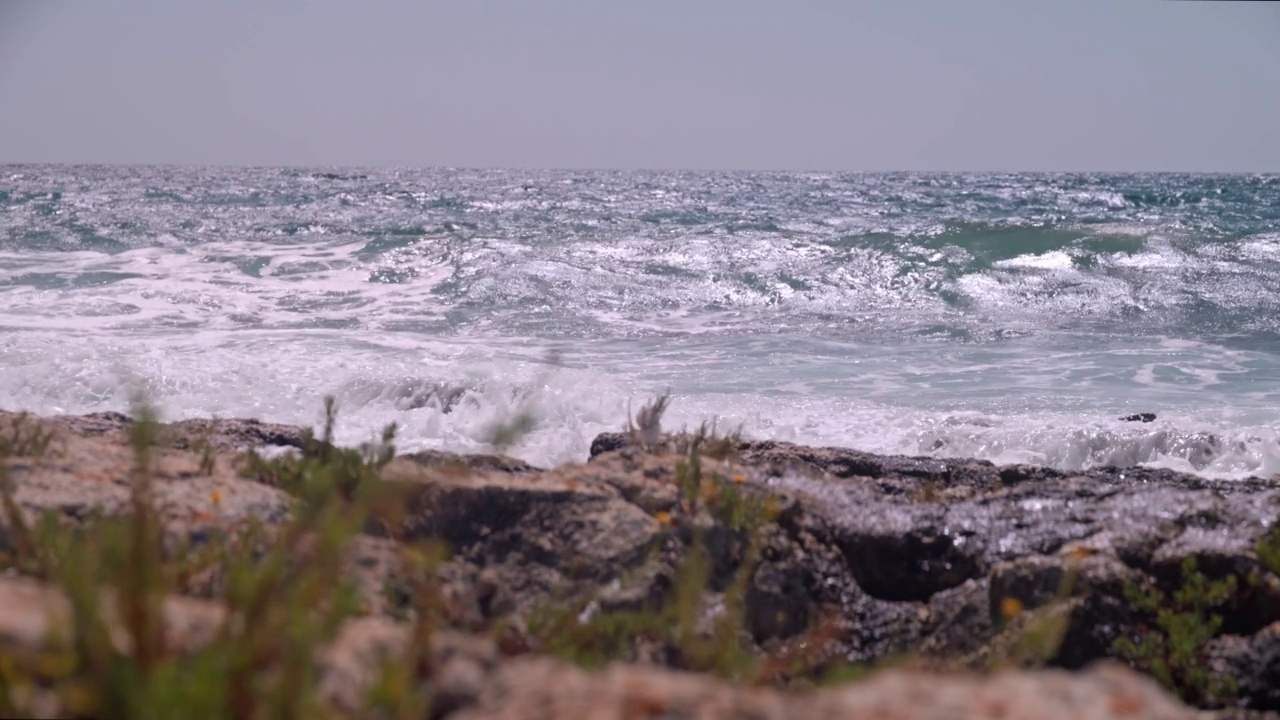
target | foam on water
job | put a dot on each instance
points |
(1005, 317)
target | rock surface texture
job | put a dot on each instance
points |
(860, 557)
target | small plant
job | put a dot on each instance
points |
(283, 589)
(204, 448)
(675, 630)
(1032, 636)
(506, 434)
(397, 692)
(1268, 549)
(693, 627)
(710, 443)
(647, 427)
(24, 436)
(927, 491)
(1184, 623)
(322, 467)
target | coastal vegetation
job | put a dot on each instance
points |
(684, 550)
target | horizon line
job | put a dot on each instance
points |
(377, 166)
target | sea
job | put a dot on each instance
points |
(1011, 317)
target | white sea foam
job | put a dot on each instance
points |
(895, 313)
(1053, 260)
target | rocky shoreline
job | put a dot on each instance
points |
(968, 590)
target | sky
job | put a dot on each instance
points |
(1085, 85)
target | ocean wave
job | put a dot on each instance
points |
(854, 309)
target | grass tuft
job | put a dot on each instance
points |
(646, 429)
(25, 436)
(283, 588)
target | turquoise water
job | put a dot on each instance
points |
(1010, 317)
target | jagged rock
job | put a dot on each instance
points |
(538, 533)
(959, 623)
(901, 556)
(887, 554)
(953, 539)
(467, 679)
(1089, 587)
(910, 553)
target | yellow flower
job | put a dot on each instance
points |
(664, 517)
(1010, 607)
(739, 478)
(215, 497)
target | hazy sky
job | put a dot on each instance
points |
(753, 84)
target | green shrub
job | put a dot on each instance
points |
(283, 588)
(1173, 650)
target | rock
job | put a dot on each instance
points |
(864, 557)
(350, 664)
(233, 435)
(539, 534)
(920, 539)
(347, 666)
(1254, 662)
(958, 623)
(374, 564)
(88, 471)
(463, 464)
(1145, 417)
(222, 435)
(30, 611)
(468, 680)
(1089, 587)
(907, 554)
(910, 553)
(531, 689)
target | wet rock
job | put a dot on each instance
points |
(1145, 417)
(608, 442)
(462, 464)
